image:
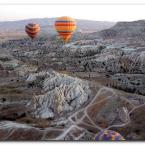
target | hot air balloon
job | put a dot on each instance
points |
(32, 29)
(65, 26)
(108, 135)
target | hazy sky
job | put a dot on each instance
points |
(91, 12)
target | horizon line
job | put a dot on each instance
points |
(74, 18)
(72, 3)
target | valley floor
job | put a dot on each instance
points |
(51, 91)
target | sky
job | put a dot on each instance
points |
(80, 10)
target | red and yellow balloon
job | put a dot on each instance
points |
(65, 26)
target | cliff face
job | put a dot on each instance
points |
(125, 30)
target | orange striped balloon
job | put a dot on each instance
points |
(32, 29)
(65, 26)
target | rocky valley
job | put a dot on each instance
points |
(55, 91)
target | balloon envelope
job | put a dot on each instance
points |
(108, 135)
(65, 26)
(32, 29)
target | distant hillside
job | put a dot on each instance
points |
(93, 26)
(125, 30)
(86, 29)
(47, 24)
